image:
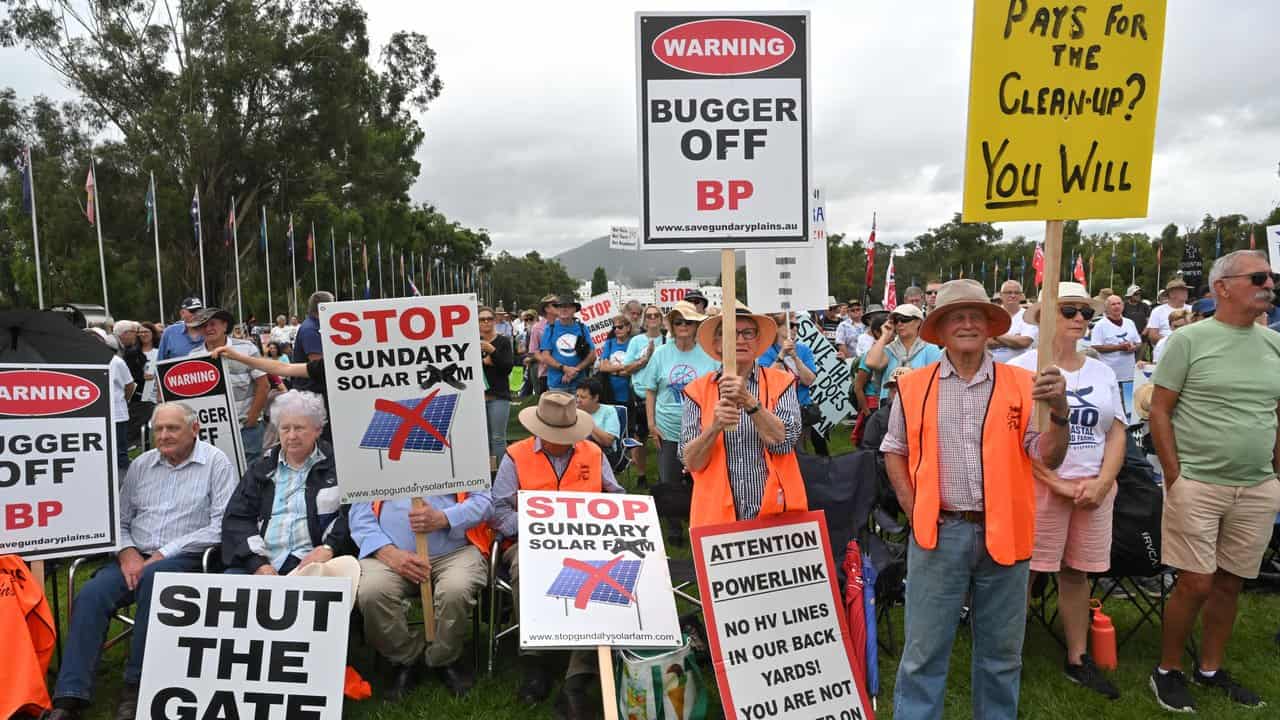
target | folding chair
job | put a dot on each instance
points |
(625, 443)
(499, 588)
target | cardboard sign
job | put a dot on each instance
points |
(597, 314)
(593, 572)
(666, 293)
(1273, 245)
(830, 390)
(57, 461)
(246, 646)
(724, 129)
(794, 278)
(406, 396)
(624, 238)
(200, 384)
(1062, 109)
(780, 645)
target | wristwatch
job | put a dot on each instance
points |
(753, 410)
(1059, 421)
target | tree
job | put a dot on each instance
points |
(520, 282)
(684, 273)
(599, 282)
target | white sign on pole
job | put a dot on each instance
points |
(624, 238)
(597, 314)
(666, 293)
(830, 390)
(246, 646)
(57, 461)
(1273, 246)
(201, 384)
(593, 572)
(406, 396)
(794, 278)
(780, 645)
(723, 129)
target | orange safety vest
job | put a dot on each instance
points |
(712, 494)
(535, 471)
(480, 535)
(1007, 489)
(27, 623)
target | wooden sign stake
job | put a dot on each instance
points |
(728, 311)
(37, 572)
(428, 606)
(1048, 310)
(608, 689)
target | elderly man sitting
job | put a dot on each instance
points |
(285, 513)
(171, 505)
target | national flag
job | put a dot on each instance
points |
(150, 204)
(1023, 272)
(1217, 248)
(1079, 271)
(1192, 265)
(1253, 244)
(1159, 254)
(195, 214)
(890, 287)
(288, 240)
(871, 257)
(311, 245)
(1092, 258)
(364, 254)
(262, 231)
(23, 163)
(91, 196)
(230, 229)
(1037, 262)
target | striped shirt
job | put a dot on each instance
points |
(288, 530)
(176, 509)
(962, 409)
(743, 447)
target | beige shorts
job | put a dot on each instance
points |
(1208, 527)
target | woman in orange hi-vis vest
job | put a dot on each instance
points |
(958, 452)
(739, 433)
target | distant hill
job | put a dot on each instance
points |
(638, 268)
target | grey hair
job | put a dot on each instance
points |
(298, 402)
(317, 297)
(1227, 265)
(123, 326)
(188, 415)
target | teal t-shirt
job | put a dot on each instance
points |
(606, 418)
(1228, 383)
(670, 371)
(635, 350)
(922, 353)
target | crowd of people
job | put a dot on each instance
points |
(944, 385)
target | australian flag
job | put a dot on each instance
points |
(288, 240)
(23, 163)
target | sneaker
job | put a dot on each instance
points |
(1235, 691)
(1171, 691)
(1088, 674)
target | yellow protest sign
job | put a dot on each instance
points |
(1062, 109)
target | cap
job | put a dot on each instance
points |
(908, 310)
(1205, 306)
(207, 314)
(192, 304)
(1131, 290)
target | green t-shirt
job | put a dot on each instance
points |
(1228, 383)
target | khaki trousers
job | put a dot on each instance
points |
(581, 662)
(457, 578)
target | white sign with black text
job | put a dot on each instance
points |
(624, 238)
(830, 389)
(792, 278)
(200, 383)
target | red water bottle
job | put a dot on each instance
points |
(1102, 638)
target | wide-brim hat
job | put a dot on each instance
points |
(204, 316)
(547, 300)
(686, 311)
(959, 294)
(1175, 283)
(1142, 400)
(568, 300)
(557, 419)
(1069, 293)
(695, 295)
(341, 566)
(765, 325)
(869, 313)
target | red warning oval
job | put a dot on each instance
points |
(191, 378)
(723, 46)
(44, 392)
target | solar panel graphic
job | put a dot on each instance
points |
(416, 425)
(612, 582)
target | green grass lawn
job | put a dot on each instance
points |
(1046, 693)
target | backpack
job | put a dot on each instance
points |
(1135, 524)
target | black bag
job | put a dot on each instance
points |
(1135, 525)
(581, 348)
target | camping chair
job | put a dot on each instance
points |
(502, 605)
(620, 453)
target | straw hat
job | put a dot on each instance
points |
(341, 566)
(768, 331)
(1142, 399)
(685, 310)
(1069, 293)
(957, 294)
(557, 419)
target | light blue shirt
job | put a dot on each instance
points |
(288, 531)
(635, 351)
(606, 418)
(391, 526)
(176, 509)
(670, 370)
(922, 353)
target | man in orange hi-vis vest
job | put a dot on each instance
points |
(958, 452)
(559, 457)
(739, 432)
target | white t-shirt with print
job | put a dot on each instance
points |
(1019, 326)
(1160, 318)
(1106, 332)
(1094, 397)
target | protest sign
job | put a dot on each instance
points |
(1062, 109)
(405, 383)
(794, 278)
(57, 461)
(200, 384)
(245, 646)
(780, 645)
(593, 572)
(597, 314)
(624, 238)
(723, 128)
(1273, 245)
(666, 293)
(830, 390)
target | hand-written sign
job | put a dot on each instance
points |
(830, 390)
(1062, 109)
(597, 314)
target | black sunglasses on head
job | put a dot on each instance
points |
(1069, 311)
(1257, 278)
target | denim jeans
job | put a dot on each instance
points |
(251, 438)
(122, 448)
(497, 411)
(95, 603)
(938, 581)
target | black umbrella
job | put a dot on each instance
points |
(35, 336)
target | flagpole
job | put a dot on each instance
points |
(155, 226)
(351, 266)
(333, 250)
(381, 294)
(315, 256)
(293, 267)
(204, 297)
(266, 247)
(235, 247)
(97, 225)
(35, 229)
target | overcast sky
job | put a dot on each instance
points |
(534, 136)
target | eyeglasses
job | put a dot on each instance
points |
(1069, 311)
(652, 317)
(746, 333)
(1257, 278)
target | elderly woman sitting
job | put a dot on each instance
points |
(285, 513)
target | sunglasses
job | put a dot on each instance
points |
(930, 292)
(680, 322)
(486, 318)
(1257, 278)
(622, 326)
(1070, 311)
(902, 318)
